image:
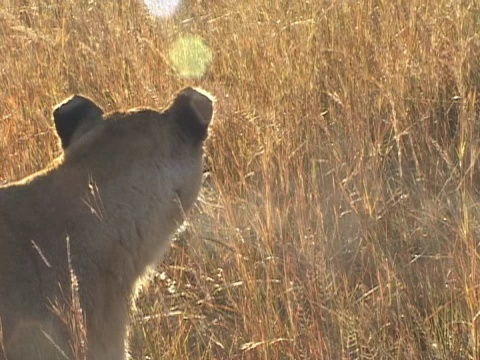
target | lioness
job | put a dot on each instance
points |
(101, 214)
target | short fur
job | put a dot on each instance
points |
(117, 194)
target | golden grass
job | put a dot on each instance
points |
(340, 218)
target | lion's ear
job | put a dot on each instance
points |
(74, 116)
(193, 110)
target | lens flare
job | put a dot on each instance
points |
(162, 8)
(190, 56)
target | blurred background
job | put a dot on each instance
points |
(339, 217)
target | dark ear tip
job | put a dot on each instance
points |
(193, 109)
(71, 113)
(71, 103)
(198, 99)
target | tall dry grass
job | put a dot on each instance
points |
(340, 217)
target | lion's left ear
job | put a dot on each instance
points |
(75, 116)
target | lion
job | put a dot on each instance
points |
(76, 237)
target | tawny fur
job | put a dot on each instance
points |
(118, 192)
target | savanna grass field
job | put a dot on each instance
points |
(340, 212)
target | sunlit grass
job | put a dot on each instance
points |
(340, 215)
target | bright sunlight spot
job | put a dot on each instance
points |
(162, 8)
(190, 56)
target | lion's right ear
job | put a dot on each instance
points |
(193, 111)
(74, 116)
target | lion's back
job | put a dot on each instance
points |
(22, 281)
